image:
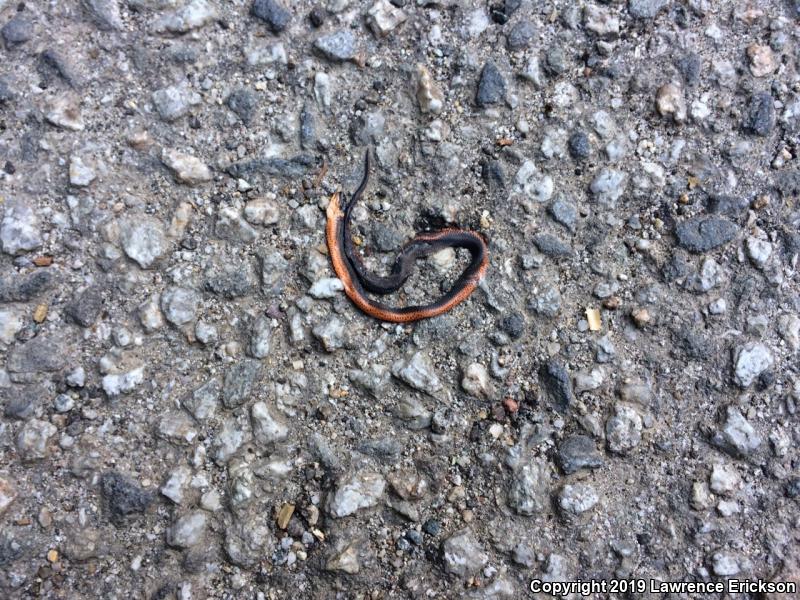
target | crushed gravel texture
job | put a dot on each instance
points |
(190, 407)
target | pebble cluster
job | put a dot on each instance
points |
(191, 408)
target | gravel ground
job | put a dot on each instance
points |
(191, 408)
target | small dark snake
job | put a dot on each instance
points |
(357, 281)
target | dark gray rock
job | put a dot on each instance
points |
(521, 35)
(239, 381)
(759, 117)
(272, 13)
(308, 129)
(493, 176)
(17, 31)
(21, 288)
(86, 307)
(646, 9)
(555, 381)
(513, 324)
(386, 239)
(491, 86)
(124, 497)
(579, 452)
(244, 103)
(274, 167)
(551, 246)
(21, 401)
(701, 234)
(502, 11)
(42, 353)
(730, 206)
(579, 146)
(690, 67)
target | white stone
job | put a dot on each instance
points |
(187, 169)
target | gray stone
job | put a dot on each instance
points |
(555, 381)
(272, 13)
(327, 287)
(758, 251)
(86, 306)
(260, 338)
(175, 486)
(476, 381)
(529, 491)
(247, 542)
(737, 436)
(25, 287)
(750, 361)
(105, 13)
(239, 381)
(546, 302)
(608, 186)
(579, 452)
(123, 496)
(203, 402)
(331, 334)
(230, 226)
(174, 426)
(601, 21)
(179, 305)
(19, 230)
(463, 554)
(231, 280)
(188, 530)
(759, 117)
(551, 246)
(491, 86)
(338, 46)
(17, 31)
(42, 353)
(143, 239)
(577, 498)
(33, 438)
(186, 168)
(521, 35)
(383, 18)
(624, 429)
(206, 333)
(244, 103)
(701, 234)
(117, 384)
(646, 9)
(362, 489)
(418, 372)
(267, 427)
(193, 15)
(175, 101)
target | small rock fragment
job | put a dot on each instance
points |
(273, 13)
(187, 169)
(670, 102)
(383, 18)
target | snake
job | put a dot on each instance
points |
(358, 282)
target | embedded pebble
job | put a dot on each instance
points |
(360, 490)
(188, 169)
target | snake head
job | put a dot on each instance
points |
(334, 207)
